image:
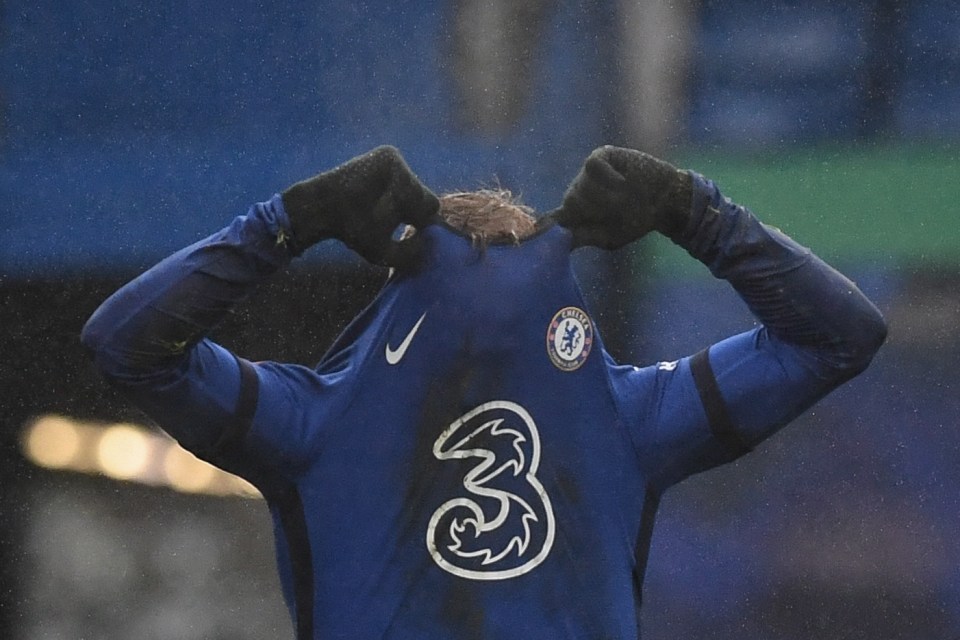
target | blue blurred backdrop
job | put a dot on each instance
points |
(129, 130)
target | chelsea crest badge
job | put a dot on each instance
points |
(569, 338)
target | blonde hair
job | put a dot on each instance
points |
(488, 215)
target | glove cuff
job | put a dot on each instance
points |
(701, 195)
(676, 206)
(303, 203)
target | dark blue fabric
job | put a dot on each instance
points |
(467, 461)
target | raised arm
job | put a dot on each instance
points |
(149, 338)
(818, 329)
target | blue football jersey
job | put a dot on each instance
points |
(467, 461)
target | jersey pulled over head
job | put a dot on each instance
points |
(481, 383)
(466, 460)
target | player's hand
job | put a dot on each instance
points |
(620, 195)
(361, 203)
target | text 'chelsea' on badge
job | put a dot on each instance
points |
(569, 338)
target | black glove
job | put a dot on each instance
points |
(361, 203)
(620, 195)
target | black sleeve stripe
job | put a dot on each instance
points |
(651, 502)
(717, 415)
(294, 522)
(246, 406)
(285, 496)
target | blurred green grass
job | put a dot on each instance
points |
(887, 205)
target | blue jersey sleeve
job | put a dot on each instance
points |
(285, 410)
(148, 339)
(818, 331)
(710, 408)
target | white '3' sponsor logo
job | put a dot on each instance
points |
(504, 526)
(395, 355)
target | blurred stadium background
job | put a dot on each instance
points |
(128, 130)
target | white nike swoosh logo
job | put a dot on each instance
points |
(395, 355)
